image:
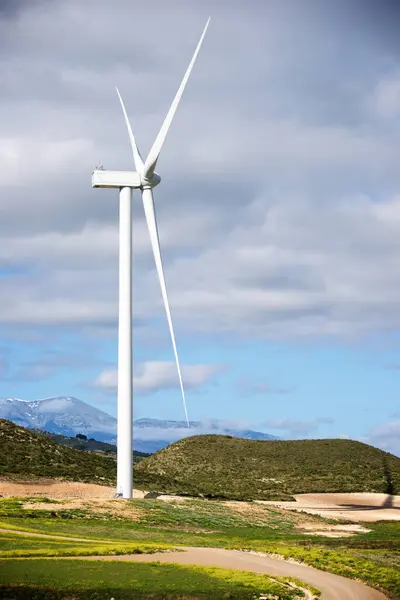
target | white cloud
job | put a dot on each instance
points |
(249, 387)
(153, 376)
(295, 428)
(386, 436)
(385, 100)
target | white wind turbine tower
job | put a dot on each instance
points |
(145, 179)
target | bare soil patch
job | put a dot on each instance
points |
(366, 507)
(58, 490)
(304, 522)
(68, 495)
(332, 531)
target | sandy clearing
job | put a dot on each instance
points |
(333, 587)
(102, 508)
(58, 490)
(333, 531)
(366, 507)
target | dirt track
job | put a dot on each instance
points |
(333, 587)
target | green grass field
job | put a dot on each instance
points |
(95, 580)
(212, 466)
(372, 557)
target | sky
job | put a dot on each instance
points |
(278, 211)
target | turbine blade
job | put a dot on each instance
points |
(137, 159)
(151, 160)
(149, 211)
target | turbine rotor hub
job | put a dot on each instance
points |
(147, 183)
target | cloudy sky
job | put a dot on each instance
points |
(279, 209)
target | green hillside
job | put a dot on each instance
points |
(226, 467)
(212, 465)
(26, 453)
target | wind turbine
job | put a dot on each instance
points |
(145, 179)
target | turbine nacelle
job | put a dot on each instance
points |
(121, 179)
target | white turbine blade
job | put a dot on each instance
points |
(149, 211)
(137, 159)
(154, 153)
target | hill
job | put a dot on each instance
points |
(226, 467)
(26, 453)
(67, 416)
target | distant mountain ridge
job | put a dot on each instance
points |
(66, 415)
(63, 415)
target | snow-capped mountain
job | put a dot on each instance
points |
(64, 415)
(69, 416)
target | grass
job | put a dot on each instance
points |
(16, 545)
(218, 466)
(212, 466)
(105, 580)
(372, 557)
(189, 522)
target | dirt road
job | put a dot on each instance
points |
(333, 587)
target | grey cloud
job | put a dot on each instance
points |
(278, 203)
(12, 8)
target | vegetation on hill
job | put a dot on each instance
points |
(27, 453)
(225, 467)
(212, 466)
